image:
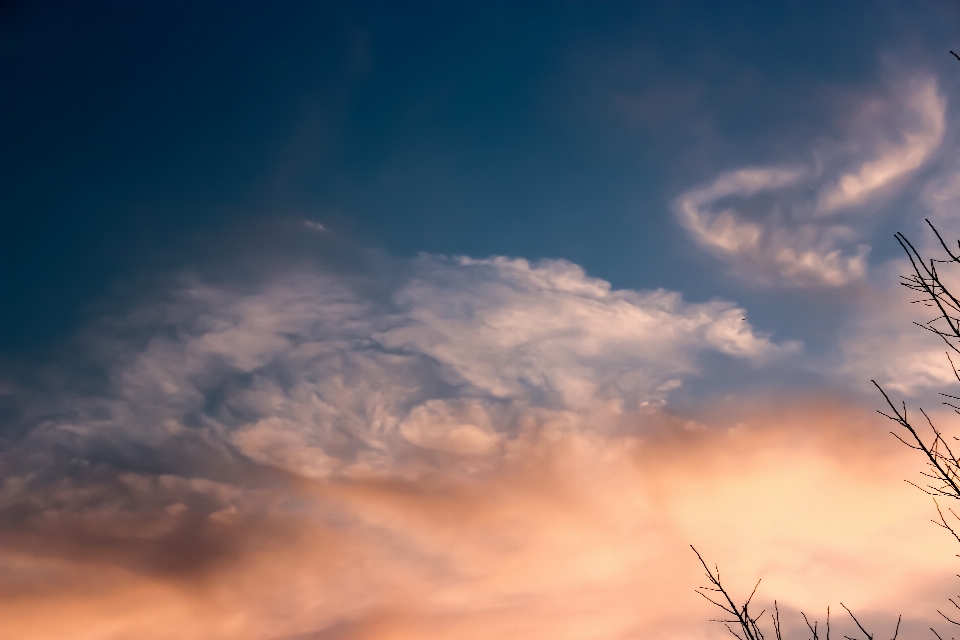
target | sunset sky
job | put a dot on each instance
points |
(464, 320)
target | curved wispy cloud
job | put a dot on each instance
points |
(800, 232)
(921, 111)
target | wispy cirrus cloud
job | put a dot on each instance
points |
(920, 112)
(792, 226)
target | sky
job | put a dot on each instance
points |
(388, 320)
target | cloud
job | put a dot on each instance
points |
(211, 394)
(314, 226)
(922, 133)
(769, 250)
(790, 226)
(458, 449)
(880, 339)
(320, 374)
(881, 342)
(461, 355)
(580, 535)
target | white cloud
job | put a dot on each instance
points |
(770, 249)
(797, 238)
(389, 397)
(314, 226)
(315, 374)
(880, 339)
(508, 327)
(920, 136)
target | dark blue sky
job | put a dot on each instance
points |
(151, 137)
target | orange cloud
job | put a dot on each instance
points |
(572, 534)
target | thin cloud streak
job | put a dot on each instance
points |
(921, 137)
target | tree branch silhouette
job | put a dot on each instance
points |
(942, 473)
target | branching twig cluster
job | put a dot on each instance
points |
(742, 618)
(943, 466)
(943, 473)
(927, 280)
(746, 626)
(942, 477)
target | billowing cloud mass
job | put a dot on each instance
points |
(464, 449)
(800, 226)
(321, 375)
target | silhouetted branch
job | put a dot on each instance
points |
(943, 466)
(742, 617)
(747, 624)
(955, 606)
(943, 463)
(942, 473)
(869, 636)
(927, 281)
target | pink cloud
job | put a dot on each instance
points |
(574, 535)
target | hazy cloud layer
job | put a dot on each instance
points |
(577, 536)
(803, 226)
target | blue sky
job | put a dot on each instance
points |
(557, 130)
(572, 273)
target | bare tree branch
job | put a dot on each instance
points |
(942, 473)
(944, 464)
